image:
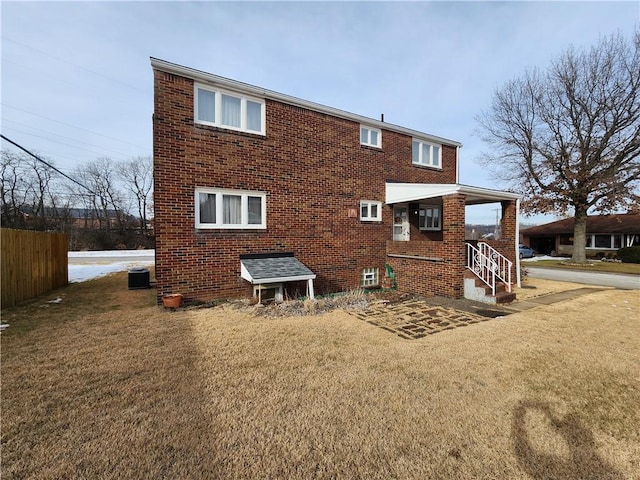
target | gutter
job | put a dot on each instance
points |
(240, 87)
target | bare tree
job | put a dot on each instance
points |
(568, 138)
(27, 192)
(137, 175)
(106, 199)
(38, 181)
(12, 189)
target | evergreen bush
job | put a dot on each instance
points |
(630, 254)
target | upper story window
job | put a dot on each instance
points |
(370, 211)
(229, 110)
(370, 136)
(426, 154)
(429, 217)
(216, 208)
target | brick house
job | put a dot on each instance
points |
(260, 192)
(605, 235)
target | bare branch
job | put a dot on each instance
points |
(569, 137)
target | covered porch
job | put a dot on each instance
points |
(428, 252)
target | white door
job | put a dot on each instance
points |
(401, 224)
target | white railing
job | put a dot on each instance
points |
(489, 265)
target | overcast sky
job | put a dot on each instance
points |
(77, 83)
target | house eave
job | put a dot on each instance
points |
(229, 84)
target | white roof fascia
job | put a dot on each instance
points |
(241, 87)
(244, 273)
(300, 278)
(411, 192)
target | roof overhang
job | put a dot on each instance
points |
(413, 192)
(222, 82)
(273, 268)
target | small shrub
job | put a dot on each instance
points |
(629, 254)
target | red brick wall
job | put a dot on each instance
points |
(507, 243)
(440, 270)
(314, 170)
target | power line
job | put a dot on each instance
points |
(95, 152)
(48, 164)
(72, 126)
(115, 80)
(64, 137)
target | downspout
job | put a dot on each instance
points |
(458, 165)
(518, 280)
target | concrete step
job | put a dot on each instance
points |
(505, 297)
(476, 289)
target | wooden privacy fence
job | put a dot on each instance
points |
(33, 263)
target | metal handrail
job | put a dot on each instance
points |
(503, 263)
(488, 264)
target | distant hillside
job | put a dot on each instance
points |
(475, 232)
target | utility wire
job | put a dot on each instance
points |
(70, 125)
(60, 136)
(48, 164)
(115, 80)
(7, 127)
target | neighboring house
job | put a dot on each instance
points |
(260, 193)
(605, 235)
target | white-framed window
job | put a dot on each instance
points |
(611, 241)
(369, 277)
(370, 211)
(429, 217)
(370, 136)
(231, 209)
(426, 154)
(234, 111)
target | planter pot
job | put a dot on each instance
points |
(172, 300)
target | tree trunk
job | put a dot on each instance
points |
(580, 236)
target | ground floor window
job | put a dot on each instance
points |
(231, 209)
(370, 211)
(369, 277)
(612, 241)
(429, 217)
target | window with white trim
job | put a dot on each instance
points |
(429, 217)
(370, 211)
(369, 277)
(224, 109)
(370, 136)
(603, 241)
(426, 154)
(239, 209)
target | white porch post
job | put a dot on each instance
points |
(517, 235)
(310, 288)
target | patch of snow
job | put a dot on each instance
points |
(88, 271)
(536, 259)
(113, 253)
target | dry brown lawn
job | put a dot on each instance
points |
(107, 385)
